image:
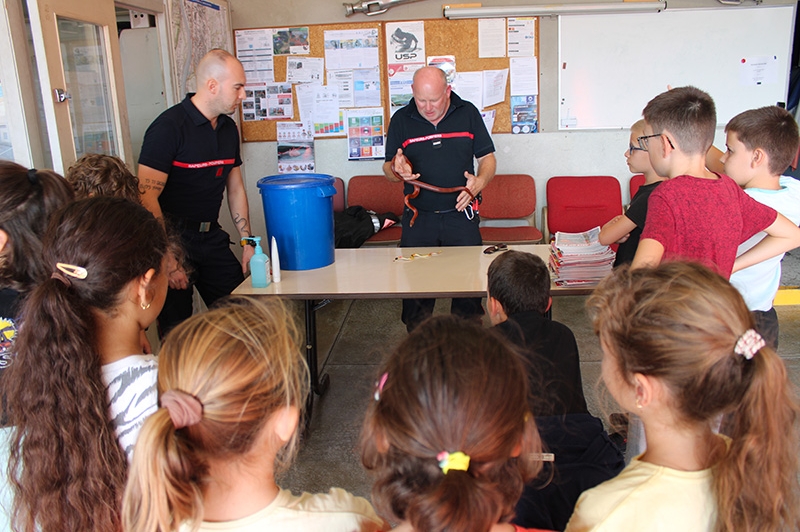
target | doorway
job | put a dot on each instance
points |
(143, 72)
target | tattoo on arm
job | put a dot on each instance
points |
(242, 224)
(153, 184)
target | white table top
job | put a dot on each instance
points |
(373, 273)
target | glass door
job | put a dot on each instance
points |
(81, 78)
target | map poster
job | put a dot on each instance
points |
(198, 27)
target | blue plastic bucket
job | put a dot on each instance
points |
(298, 209)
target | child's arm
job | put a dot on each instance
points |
(713, 163)
(782, 236)
(616, 230)
(648, 254)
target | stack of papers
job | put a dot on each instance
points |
(579, 259)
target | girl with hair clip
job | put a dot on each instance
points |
(27, 200)
(97, 174)
(679, 349)
(449, 438)
(78, 389)
(232, 383)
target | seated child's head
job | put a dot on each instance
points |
(680, 322)
(687, 331)
(635, 156)
(768, 132)
(27, 200)
(520, 282)
(96, 174)
(449, 437)
(231, 384)
(685, 117)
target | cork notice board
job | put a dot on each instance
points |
(458, 38)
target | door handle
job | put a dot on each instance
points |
(61, 95)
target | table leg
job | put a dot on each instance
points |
(319, 385)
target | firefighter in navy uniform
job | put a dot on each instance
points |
(189, 158)
(435, 138)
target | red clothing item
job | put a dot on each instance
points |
(704, 220)
(518, 528)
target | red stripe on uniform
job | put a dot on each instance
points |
(457, 134)
(205, 164)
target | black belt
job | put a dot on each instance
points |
(183, 224)
(435, 212)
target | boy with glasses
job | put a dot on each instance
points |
(626, 229)
(696, 214)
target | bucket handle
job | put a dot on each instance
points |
(326, 191)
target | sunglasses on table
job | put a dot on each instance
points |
(495, 248)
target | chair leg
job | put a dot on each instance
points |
(545, 227)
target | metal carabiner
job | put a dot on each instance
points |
(469, 212)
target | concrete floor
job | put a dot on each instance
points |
(353, 338)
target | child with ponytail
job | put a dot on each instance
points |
(232, 383)
(28, 197)
(449, 437)
(79, 388)
(680, 350)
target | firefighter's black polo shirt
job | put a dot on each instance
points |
(196, 158)
(439, 154)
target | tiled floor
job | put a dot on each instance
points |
(354, 336)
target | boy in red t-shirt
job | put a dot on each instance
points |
(696, 214)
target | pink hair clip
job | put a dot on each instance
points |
(749, 343)
(379, 386)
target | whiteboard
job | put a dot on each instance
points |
(610, 66)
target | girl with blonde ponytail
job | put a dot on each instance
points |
(449, 438)
(232, 384)
(680, 350)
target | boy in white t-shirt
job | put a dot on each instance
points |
(761, 144)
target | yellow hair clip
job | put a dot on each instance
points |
(456, 461)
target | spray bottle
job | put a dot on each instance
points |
(259, 263)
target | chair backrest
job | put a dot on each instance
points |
(579, 203)
(338, 198)
(376, 193)
(509, 196)
(635, 182)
